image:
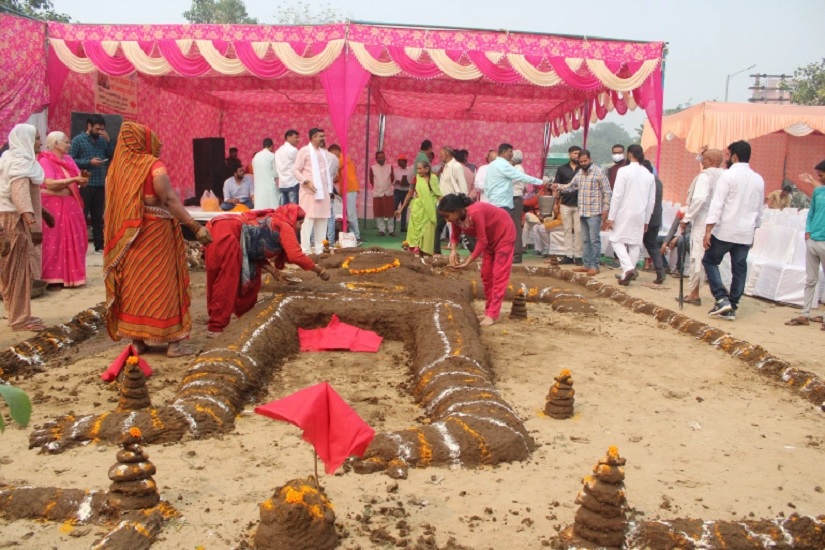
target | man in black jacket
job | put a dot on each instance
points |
(650, 239)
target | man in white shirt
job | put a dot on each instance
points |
(382, 195)
(481, 175)
(285, 162)
(698, 204)
(452, 182)
(634, 196)
(734, 214)
(264, 173)
(500, 187)
(403, 176)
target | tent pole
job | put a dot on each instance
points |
(367, 153)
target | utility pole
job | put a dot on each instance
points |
(727, 80)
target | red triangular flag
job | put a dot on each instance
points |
(329, 424)
(117, 365)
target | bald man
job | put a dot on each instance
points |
(699, 195)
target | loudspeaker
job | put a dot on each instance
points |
(210, 171)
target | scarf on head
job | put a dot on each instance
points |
(19, 161)
(316, 173)
(136, 151)
(258, 242)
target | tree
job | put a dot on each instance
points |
(808, 84)
(19, 405)
(38, 9)
(300, 13)
(679, 108)
(219, 12)
(600, 140)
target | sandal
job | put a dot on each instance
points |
(798, 322)
(817, 319)
(696, 302)
(31, 326)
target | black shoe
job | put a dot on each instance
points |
(659, 279)
(566, 260)
(517, 259)
(721, 306)
(728, 316)
(578, 262)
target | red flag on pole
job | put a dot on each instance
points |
(330, 425)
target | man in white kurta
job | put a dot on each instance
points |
(701, 191)
(631, 206)
(265, 174)
(312, 170)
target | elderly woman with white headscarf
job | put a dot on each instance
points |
(64, 247)
(20, 179)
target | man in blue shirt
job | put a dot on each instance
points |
(498, 187)
(92, 151)
(814, 246)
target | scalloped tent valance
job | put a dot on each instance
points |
(450, 74)
(584, 79)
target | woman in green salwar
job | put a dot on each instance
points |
(424, 195)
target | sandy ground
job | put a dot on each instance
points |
(703, 434)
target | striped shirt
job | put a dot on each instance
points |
(594, 191)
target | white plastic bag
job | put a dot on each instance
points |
(209, 202)
(347, 240)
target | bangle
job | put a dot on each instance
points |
(193, 225)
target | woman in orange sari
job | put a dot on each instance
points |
(144, 265)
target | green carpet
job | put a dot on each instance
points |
(369, 236)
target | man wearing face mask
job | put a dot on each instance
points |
(734, 214)
(619, 161)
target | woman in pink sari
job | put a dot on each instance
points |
(64, 247)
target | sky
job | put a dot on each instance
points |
(707, 39)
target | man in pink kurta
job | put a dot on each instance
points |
(313, 174)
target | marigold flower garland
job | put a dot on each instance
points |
(385, 267)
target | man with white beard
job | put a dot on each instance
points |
(701, 191)
(631, 206)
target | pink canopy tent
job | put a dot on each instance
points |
(471, 88)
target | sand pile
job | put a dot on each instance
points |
(298, 516)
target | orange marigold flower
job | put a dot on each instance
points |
(133, 360)
(134, 431)
(613, 451)
(564, 373)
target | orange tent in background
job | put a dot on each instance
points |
(787, 140)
